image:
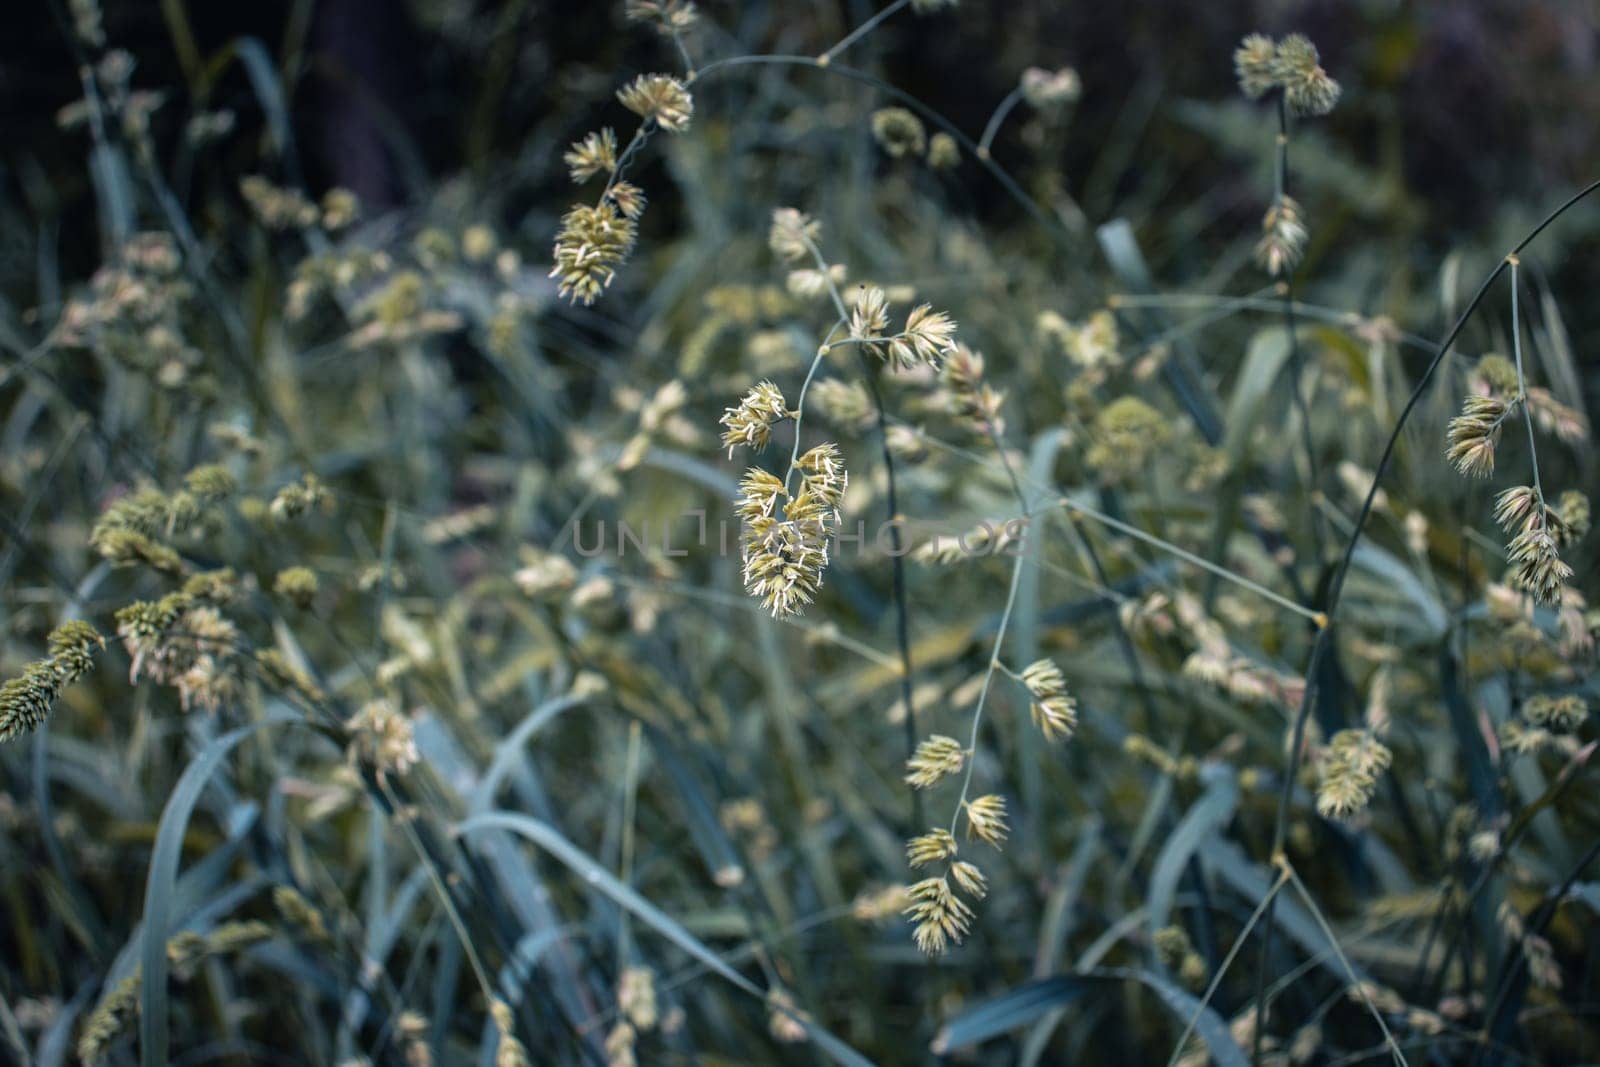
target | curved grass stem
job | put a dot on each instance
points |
(861, 31)
(1319, 648)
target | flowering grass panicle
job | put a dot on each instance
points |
(1053, 710)
(986, 819)
(670, 17)
(749, 423)
(659, 98)
(939, 918)
(1350, 769)
(784, 557)
(1306, 86)
(793, 234)
(1254, 63)
(594, 241)
(1472, 436)
(381, 738)
(935, 759)
(595, 154)
(928, 335)
(1283, 237)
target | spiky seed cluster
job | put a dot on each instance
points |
(986, 819)
(928, 335)
(932, 847)
(1562, 714)
(750, 422)
(595, 154)
(1538, 532)
(1495, 375)
(939, 917)
(1283, 237)
(300, 914)
(381, 738)
(1471, 437)
(1054, 711)
(967, 396)
(510, 1052)
(1537, 567)
(935, 759)
(823, 478)
(784, 557)
(186, 644)
(1306, 86)
(1253, 63)
(661, 98)
(877, 904)
(783, 564)
(115, 1013)
(72, 646)
(636, 997)
(669, 17)
(793, 234)
(26, 700)
(899, 132)
(1291, 65)
(188, 949)
(970, 879)
(629, 199)
(593, 242)
(1047, 90)
(129, 532)
(211, 484)
(1350, 769)
(869, 318)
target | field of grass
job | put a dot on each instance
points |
(736, 533)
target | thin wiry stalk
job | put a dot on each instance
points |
(1361, 987)
(897, 563)
(800, 401)
(1074, 507)
(1005, 107)
(1227, 961)
(1315, 617)
(988, 678)
(860, 31)
(1296, 367)
(1522, 384)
